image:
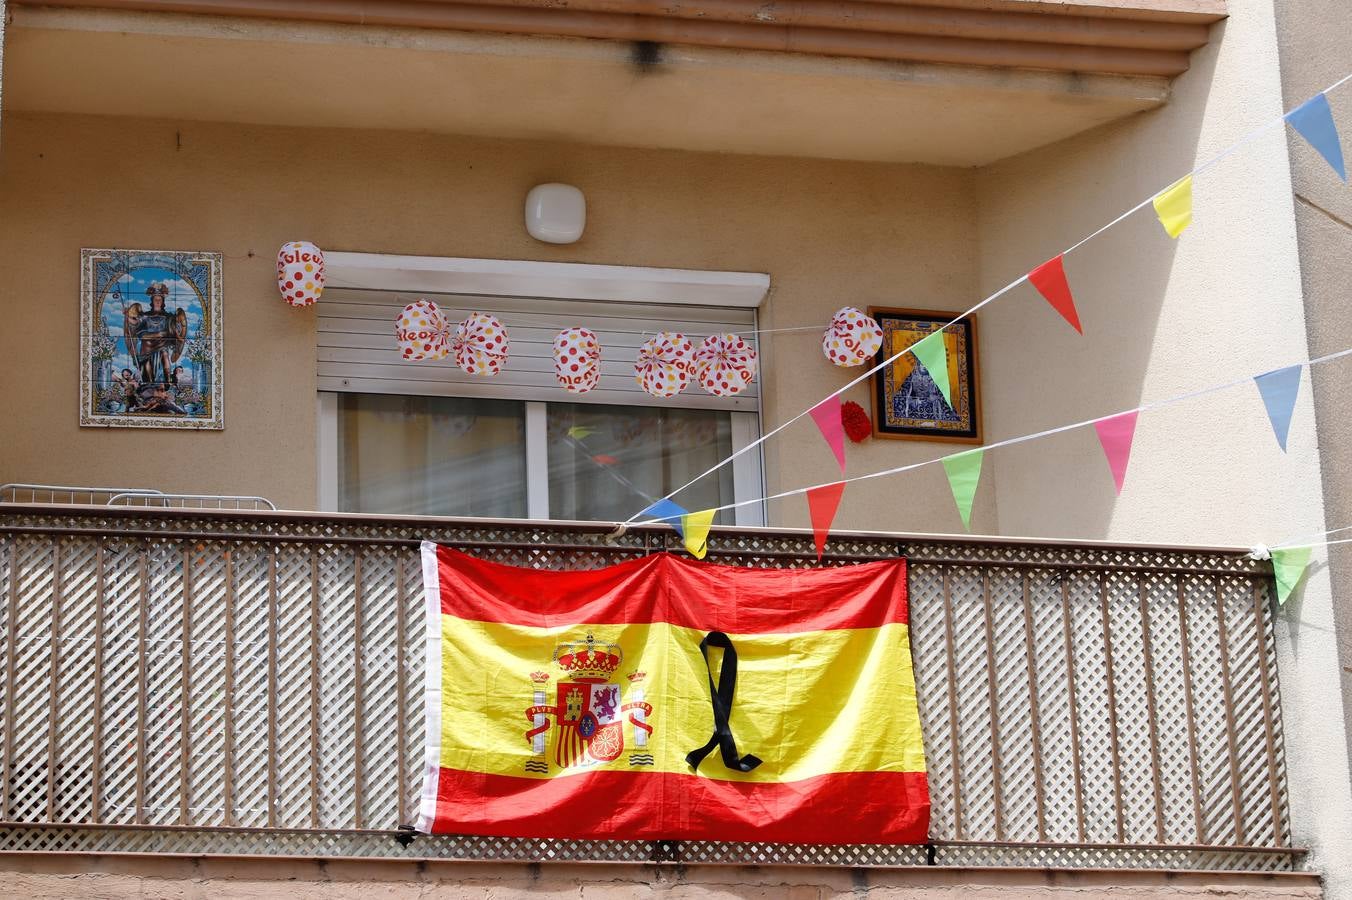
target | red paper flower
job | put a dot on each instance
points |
(857, 424)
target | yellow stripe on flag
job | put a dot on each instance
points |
(807, 703)
(1173, 205)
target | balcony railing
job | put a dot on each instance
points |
(230, 682)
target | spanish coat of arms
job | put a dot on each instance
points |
(589, 717)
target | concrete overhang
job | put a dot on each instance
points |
(331, 74)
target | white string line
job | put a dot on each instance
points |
(1299, 542)
(1019, 440)
(1004, 290)
(1313, 546)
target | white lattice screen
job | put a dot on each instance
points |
(250, 683)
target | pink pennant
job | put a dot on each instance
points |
(822, 503)
(1115, 435)
(827, 416)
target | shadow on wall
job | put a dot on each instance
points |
(1136, 292)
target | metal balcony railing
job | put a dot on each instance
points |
(186, 681)
(113, 496)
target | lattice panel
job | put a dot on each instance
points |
(252, 683)
(1098, 706)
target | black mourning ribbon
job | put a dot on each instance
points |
(720, 696)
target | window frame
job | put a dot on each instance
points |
(573, 281)
(747, 478)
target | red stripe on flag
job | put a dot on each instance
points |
(841, 808)
(672, 589)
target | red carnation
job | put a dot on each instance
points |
(857, 424)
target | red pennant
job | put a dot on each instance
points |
(822, 503)
(1050, 281)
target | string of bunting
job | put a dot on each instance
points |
(725, 364)
(1277, 389)
(1173, 206)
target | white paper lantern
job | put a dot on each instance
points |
(480, 345)
(577, 360)
(420, 329)
(852, 338)
(725, 364)
(665, 364)
(300, 273)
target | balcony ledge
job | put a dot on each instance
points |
(1118, 37)
(995, 99)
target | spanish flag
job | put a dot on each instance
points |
(664, 698)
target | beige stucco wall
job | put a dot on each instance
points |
(1163, 318)
(828, 234)
(49, 877)
(1313, 36)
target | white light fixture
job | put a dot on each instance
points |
(555, 213)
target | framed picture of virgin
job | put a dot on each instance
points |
(150, 339)
(907, 403)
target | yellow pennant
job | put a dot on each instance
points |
(696, 526)
(1174, 206)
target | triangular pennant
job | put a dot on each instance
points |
(964, 471)
(1174, 206)
(669, 513)
(696, 531)
(580, 431)
(1314, 120)
(932, 352)
(1050, 281)
(821, 506)
(1288, 567)
(1115, 434)
(1279, 390)
(827, 416)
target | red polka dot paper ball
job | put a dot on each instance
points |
(300, 273)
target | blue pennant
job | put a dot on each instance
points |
(1314, 120)
(668, 512)
(1279, 389)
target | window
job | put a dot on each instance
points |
(453, 456)
(632, 455)
(431, 456)
(426, 439)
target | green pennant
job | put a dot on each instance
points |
(1288, 566)
(932, 352)
(964, 471)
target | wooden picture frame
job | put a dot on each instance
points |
(904, 407)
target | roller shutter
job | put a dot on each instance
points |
(357, 352)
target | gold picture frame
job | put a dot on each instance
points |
(907, 405)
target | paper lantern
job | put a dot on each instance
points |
(300, 273)
(852, 338)
(577, 360)
(420, 331)
(480, 344)
(665, 364)
(725, 364)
